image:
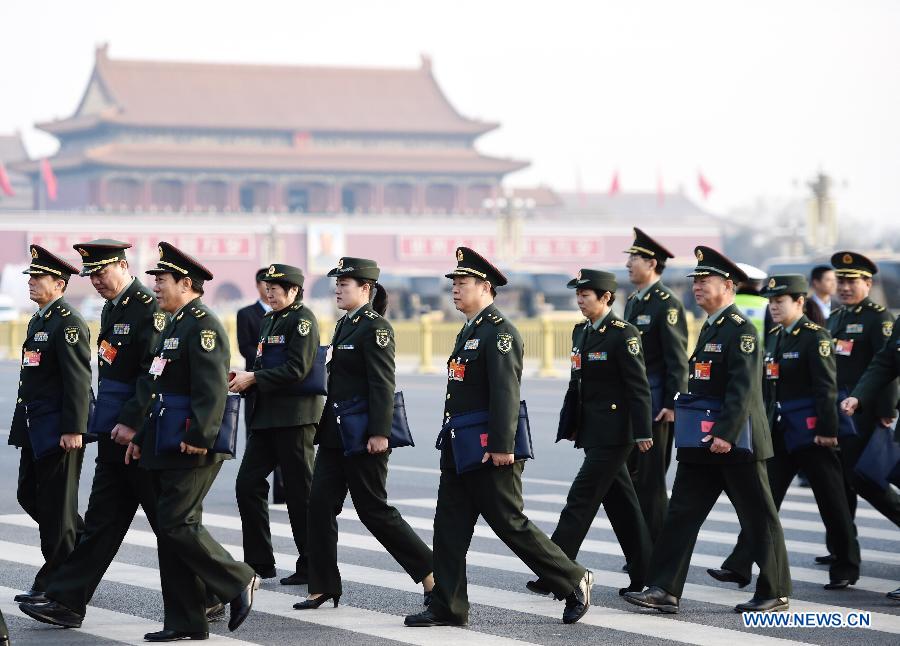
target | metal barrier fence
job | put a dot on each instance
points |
(548, 338)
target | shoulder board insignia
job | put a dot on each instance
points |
(664, 296)
(618, 324)
(876, 306)
(809, 325)
(738, 319)
(497, 320)
(198, 314)
(775, 329)
(64, 312)
(370, 314)
(146, 298)
(296, 306)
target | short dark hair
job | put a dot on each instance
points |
(818, 271)
(196, 284)
(660, 266)
(601, 292)
(287, 287)
(493, 289)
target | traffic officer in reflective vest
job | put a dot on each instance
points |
(800, 394)
(191, 362)
(861, 328)
(51, 414)
(658, 314)
(724, 454)
(483, 375)
(283, 421)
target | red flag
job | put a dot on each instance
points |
(49, 179)
(660, 189)
(614, 188)
(5, 185)
(705, 187)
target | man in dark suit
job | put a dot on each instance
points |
(726, 453)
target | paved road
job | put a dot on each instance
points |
(377, 593)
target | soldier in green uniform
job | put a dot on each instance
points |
(800, 392)
(611, 416)
(191, 360)
(726, 366)
(283, 421)
(860, 329)
(360, 366)
(129, 328)
(51, 414)
(484, 373)
(658, 315)
(883, 369)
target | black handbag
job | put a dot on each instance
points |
(352, 417)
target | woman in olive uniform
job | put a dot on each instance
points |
(361, 365)
(610, 413)
(283, 421)
(800, 389)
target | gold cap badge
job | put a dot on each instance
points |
(83, 252)
(34, 253)
(699, 255)
(459, 255)
(271, 270)
(771, 283)
(340, 263)
(160, 252)
(847, 259)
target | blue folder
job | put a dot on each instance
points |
(468, 432)
(171, 412)
(42, 419)
(694, 415)
(111, 396)
(880, 461)
(352, 417)
(316, 380)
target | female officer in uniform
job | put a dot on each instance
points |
(361, 365)
(608, 412)
(800, 391)
(283, 421)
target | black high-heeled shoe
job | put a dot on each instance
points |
(312, 604)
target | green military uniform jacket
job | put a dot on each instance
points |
(195, 348)
(801, 364)
(727, 364)
(608, 374)
(362, 365)
(883, 370)
(62, 375)
(131, 328)
(859, 333)
(294, 331)
(659, 317)
(484, 372)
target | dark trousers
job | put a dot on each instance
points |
(4, 631)
(648, 474)
(823, 469)
(48, 492)
(364, 476)
(850, 448)
(191, 562)
(292, 449)
(495, 493)
(696, 489)
(603, 478)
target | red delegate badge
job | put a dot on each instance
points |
(456, 371)
(107, 352)
(843, 347)
(772, 370)
(576, 361)
(703, 370)
(31, 358)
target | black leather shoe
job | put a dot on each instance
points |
(173, 636)
(839, 584)
(297, 578)
(4, 641)
(763, 605)
(727, 576)
(631, 588)
(312, 604)
(625, 567)
(32, 596)
(579, 600)
(427, 619)
(52, 613)
(828, 559)
(215, 613)
(654, 597)
(894, 594)
(537, 588)
(241, 604)
(426, 598)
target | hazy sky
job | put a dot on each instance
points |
(759, 95)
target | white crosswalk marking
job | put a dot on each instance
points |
(105, 624)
